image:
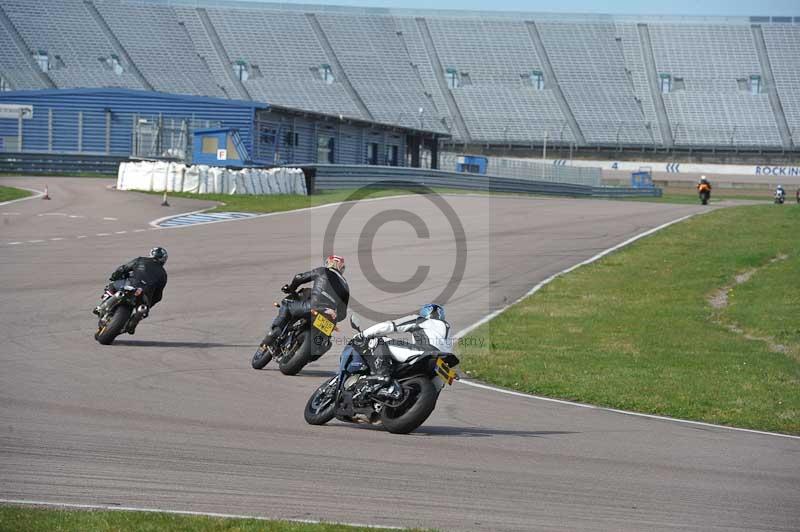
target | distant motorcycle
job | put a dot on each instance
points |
(300, 342)
(351, 396)
(704, 191)
(121, 308)
(780, 197)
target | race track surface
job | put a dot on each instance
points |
(175, 418)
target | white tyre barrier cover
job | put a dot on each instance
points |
(157, 176)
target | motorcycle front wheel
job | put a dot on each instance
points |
(113, 328)
(419, 403)
(321, 405)
(261, 358)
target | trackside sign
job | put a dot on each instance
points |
(8, 110)
(778, 170)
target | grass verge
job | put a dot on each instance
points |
(19, 519)
(636, 330)
(11, 193)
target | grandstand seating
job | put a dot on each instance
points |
(157, 43)
(67, 29)
(392, 63)
(283, 47)
(635, 69)
(589, 65)
(712, 109)
(783, 47)
(14, 67)
(497, 104)
(378, 66)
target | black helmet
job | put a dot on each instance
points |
(160, 254)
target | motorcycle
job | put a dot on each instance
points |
(300, 342)
(704, 191)
(351, 396)
(780, 197)
(121, 308)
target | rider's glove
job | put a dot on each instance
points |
(359, 339)
(285, 289)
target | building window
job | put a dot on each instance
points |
(755, 84)
(291, 138)
(666, 83)
(452, 78)
(325, 145)
(535, 79)
(266, 135)
(241, 71)
(210, 145)
(372, 153)
(327, 74)
(391, 155)
(43, 60)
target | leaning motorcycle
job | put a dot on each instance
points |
(704, 191)
(299, 342)
(351, 396)
(780, 198)
(120, 310)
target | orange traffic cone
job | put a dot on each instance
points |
(46, 193)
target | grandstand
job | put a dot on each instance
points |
(486, 79)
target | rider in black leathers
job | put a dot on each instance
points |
(147, 273)
(329, 291)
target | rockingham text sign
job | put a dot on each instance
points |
(778, 170)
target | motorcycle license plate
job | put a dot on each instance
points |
(324, 324)
(445, 372)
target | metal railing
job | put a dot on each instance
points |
(332, 177)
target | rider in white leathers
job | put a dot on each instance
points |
(429, 332)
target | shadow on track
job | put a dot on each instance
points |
(480, 432)
(187, 345)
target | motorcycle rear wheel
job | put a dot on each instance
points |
(413, 412)
(115, 325)
(300, 357)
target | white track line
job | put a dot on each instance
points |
(184, 512)
(157, 221)
(547, 281)
(36, 194)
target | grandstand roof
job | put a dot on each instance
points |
(456, 13)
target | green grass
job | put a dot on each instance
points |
(11, 193)
(17, 519)
(636, 331)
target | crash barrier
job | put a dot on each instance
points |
(332, 177)
(160, 176)
(59, 163)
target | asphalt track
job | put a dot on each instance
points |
(174, 417)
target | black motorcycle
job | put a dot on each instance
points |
(300, 342)
(351, 396)
(121, 308)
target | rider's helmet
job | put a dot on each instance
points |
(703, 179)
(432, 311)
(335, 262)
(160, 254)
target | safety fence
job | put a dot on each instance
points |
(332, 177)
(529, 170)
(59, 163)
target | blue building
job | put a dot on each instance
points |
(148, 124)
